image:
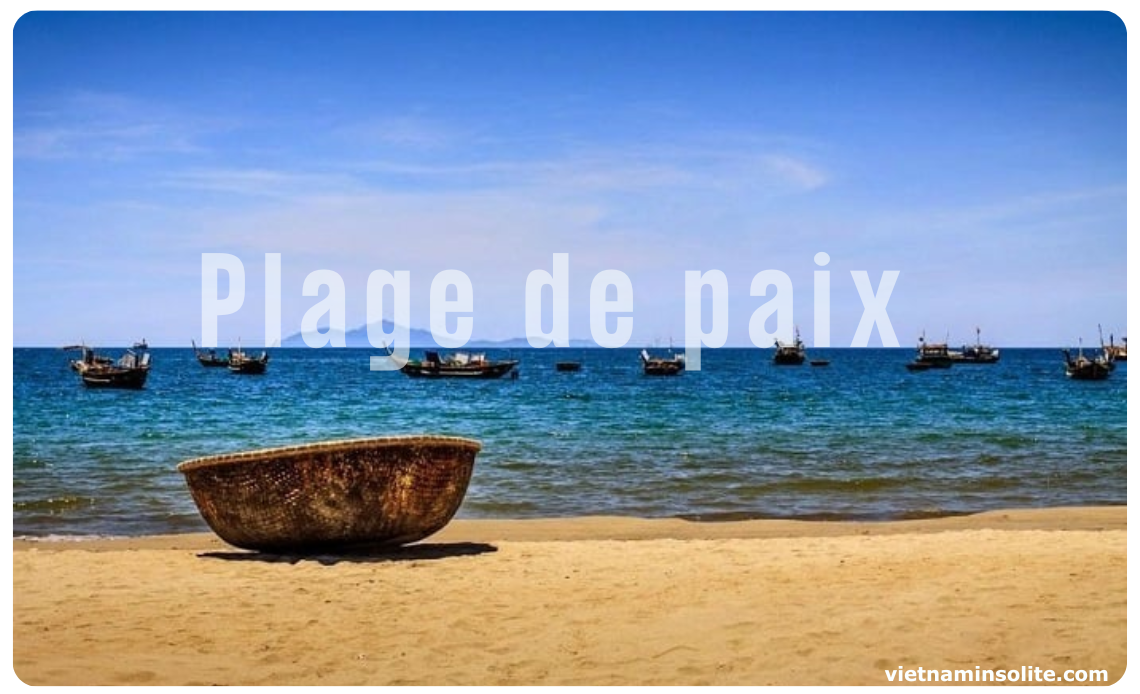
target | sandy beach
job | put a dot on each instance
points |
(586, 601)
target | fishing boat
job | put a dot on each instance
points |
(140, 346)
(129, 372)
(1117, 352)
(209, 357)
(568, 366)
(931, 355)
(976, 353)
(790, 354)
(820, 362)
(247, 364)
(242, 363)
(458, 365)
(656, 366)
(1081, 368)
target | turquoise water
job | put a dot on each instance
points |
(861, 438)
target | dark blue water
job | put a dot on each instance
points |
(861, 438)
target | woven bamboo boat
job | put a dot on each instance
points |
(335, 495)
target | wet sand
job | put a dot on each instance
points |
(586, 601)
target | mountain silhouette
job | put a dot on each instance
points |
(421, 339)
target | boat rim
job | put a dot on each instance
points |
(324, 447)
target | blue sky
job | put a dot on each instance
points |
(982, 155)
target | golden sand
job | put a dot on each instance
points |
(586, 601)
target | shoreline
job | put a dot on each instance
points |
(594, 600)
(635, 528)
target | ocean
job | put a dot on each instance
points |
(862, 438)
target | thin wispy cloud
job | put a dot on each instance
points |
(398, 132)
(600, 169)
(103, 126)
(597, 171)
(260, 182)
(797, 171)
(1040, 207)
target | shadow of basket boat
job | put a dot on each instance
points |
(336, 495)
(411, 553)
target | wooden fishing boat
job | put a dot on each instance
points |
(131, 377)
(568, 366)
(242, 363)
(976, 353)
(820, 362)
(209, 357)
(790, 354)
(458, 365)
(933, 355)
(656, 366)
(1117, 352)
(1081, 368)
(129, 372)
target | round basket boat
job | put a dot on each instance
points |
(336, 495)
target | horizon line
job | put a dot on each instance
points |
(490, 344)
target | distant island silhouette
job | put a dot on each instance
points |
(422, 339)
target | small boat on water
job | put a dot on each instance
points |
(458, 365)
(1081, 368)
(140, 346)
(97, 371)
(1117, 352)
(790, 354)
(242, 363)
(209, 357)
(820, 362)
(656, 366)
(931, 356)
(568, 366)
(976, 353)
